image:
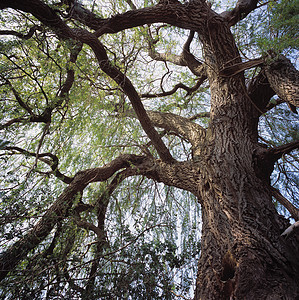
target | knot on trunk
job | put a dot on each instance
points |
(263, 163)
(229, 265)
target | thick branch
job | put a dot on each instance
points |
(128, 89)
(59, 210)
(284, 79)
(241, 10)
(186, 15)
(286, 203)
(180, 125)
(278, 152)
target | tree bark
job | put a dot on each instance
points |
(243, 253)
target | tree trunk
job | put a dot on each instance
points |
(243, 255)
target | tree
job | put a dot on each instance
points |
(75, 78)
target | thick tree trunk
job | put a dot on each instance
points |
(243, 255)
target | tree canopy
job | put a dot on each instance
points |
(107, 110)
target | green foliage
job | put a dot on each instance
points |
(283, 27)
(152, 232)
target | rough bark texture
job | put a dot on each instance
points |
(243, 255)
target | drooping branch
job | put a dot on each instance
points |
(59, 210)
(19, 99)
(62, 94)
(101, 206)
(241, 10)
(53, 163)
(49, 18)
(27, 36)
(286, 203)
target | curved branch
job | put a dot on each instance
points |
(129, 90)
(185, 59)
(19, 98)
(13, 121)
(286, 203)
(53, 164)
(60, 208)
(21, 35)
(49, 17)
(180, 85)
(241, 10)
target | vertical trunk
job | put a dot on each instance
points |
(243, 255)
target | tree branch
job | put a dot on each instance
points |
(180, 125)
(284, 79)
(101, 206)
(49, 18)
(21, 35)
(180, 85)
(19, 98)
(200, 115)
(241, 10)
(128, 89)
(53, 164)
(13, 121)
(59, 210)
(286, 203)
(185, 59)
(279, 151)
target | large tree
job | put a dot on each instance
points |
(98, 97)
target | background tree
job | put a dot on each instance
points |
(130, 127)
